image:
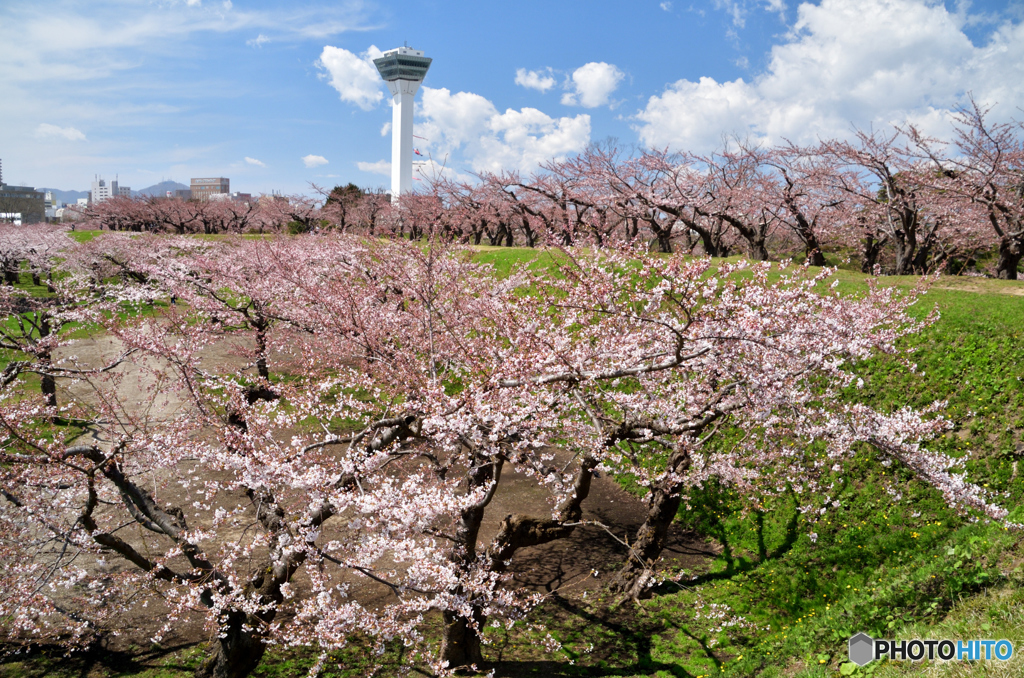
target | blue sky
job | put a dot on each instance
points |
(280, 95)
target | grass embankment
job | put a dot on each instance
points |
(903, 568)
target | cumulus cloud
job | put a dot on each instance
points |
(538, 80)
(379, 167)
(468, 123)
(258, 41)
(313, 160)
(667, 6)
(385, 128)
(254, 161)
(844, 63)
(592, 84)
(47, 131)
(354, 76)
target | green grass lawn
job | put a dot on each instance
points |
(908, 568)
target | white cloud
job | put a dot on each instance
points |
(355, 77)
(379, 167)
(592, 84)
(258, 41)
(846, 62)
(667, 6)
(313, 160)
(736, 9)
(537, 80)
(47, 131)
(101, 67)
(254, 161)
(193, 3)
(385, 129)
(468, 124)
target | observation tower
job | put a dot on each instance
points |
(403, 70)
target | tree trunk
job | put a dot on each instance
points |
(238, 653)
(905, 250)
(519, 531)
(665, 241)
(632, 580)
(872, 249)
(632, 228)
(47, 385)
(261, 352)
(758, 249)
(12, 273)
(239, 649)
(712, 248)
(1010, 254)
(815, 257)
(460, 644)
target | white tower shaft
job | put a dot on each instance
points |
(403, 70)
(402, 92)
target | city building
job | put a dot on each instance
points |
(270, 199)
(103, 190)
(403, 69)
(202, 189)
(21, 204)
(234, 197)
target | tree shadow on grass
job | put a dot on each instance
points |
(630, 656)
(97, 660)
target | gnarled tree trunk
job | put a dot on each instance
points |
(1010, 253)
(632, 580)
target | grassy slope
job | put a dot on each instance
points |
(908, 568)
(891, 569)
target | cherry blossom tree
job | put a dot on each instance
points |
(984, 178)
(804, 198)
(416, 379)
(674, 185)
(884, 183)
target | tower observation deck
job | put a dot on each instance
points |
(403, 69)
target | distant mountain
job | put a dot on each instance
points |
(161, 189)
(66, 197)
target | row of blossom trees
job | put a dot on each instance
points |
(298, 419)
(897, 199)
(174, 215)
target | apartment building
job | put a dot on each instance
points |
(202, 189)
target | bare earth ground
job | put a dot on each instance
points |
(569, 567)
